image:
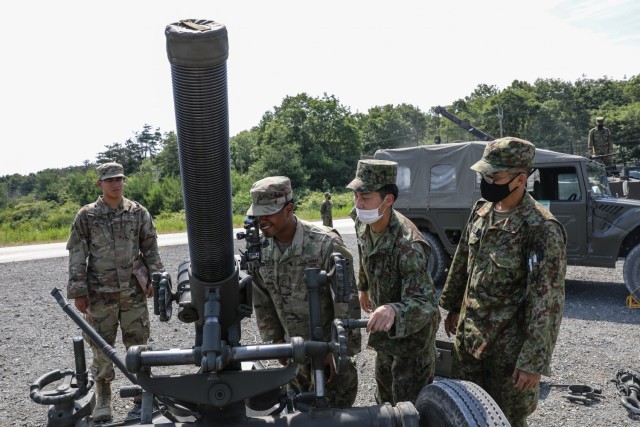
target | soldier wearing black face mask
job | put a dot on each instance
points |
(505, 288)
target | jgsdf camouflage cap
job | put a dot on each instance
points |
(372, 175)
(110, 170)
(505, 153)
(269, 195)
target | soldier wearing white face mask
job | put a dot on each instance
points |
(394, 286)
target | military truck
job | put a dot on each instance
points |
(437, 190)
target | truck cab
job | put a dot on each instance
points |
(437, 190)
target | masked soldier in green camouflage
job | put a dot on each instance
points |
(107, 276)
(394, 286)
(280, 299)
(599, 142)
(505, 288)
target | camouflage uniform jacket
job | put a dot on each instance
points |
(326, 210)
(280, 300)
(509, 276)
(104, 243)
(394, 271)
(600, 141)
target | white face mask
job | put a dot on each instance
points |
(370, 216)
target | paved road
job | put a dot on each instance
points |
(55, 250)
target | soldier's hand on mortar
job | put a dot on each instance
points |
(82, 303)
(382, 319)
(523, 380)
(451, 323)
(365, 302)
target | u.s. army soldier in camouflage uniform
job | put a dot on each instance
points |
(599, 142)
(505, 289)
(394, 285)
(107, 275)
(280, 299)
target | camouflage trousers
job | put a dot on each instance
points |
(493, 374)
(601, 150)
(400, 379)
(327, 221)
(106, 312)
(340, 392)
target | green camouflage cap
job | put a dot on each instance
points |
(110, 170)
(372, 175)
(269, 195)
(505, 153)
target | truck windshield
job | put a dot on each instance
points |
(598, 182)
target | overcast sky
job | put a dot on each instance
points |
(80, 75)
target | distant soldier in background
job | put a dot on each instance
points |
(599, 143)
(109, 244)
(280, 299)
(326, 210)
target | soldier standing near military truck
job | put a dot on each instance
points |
(394, 286)
(279, 293)
(599, 142)
(109, 244)
(505, 288)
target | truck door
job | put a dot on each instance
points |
(559, 189)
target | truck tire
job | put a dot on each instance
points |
(450, 403)
(438, 260)
(631, 272)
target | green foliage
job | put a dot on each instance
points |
(167, 160)
(317, 142)
(4, 195)
(80, 186)
(243, 148)
(134, 151)
(311, 140)
(138, 188)
(171, 191)
(40, 221)
(170, 222)
(392, 127)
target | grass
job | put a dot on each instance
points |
(173, 222)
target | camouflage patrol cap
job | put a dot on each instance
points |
(110, 170)
(269, 195)
(505, 153)
(599, 119)
(373, 174)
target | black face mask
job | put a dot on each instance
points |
(495, 192)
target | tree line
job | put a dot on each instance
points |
(317, 141)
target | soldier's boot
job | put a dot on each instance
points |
(102, 411)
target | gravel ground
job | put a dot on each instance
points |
(599, 336)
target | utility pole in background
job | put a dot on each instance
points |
(500, 115)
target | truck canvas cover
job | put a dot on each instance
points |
(436, 176)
